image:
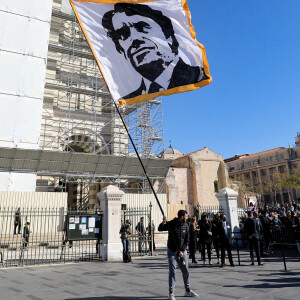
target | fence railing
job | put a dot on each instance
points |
(285, 235)
(140, 243)
(44, 240)
(241, 211)
(209, 210)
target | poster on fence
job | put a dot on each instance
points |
(90, 227)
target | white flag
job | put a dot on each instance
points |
(144, 48)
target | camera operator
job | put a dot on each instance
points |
(125, 233)
(178, 239)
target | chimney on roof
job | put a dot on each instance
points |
(297, 139)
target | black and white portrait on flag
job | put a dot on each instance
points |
(143, 48)
(147, 40)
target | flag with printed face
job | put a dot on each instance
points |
(144, 48)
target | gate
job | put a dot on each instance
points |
(142, 234)
(45, 241)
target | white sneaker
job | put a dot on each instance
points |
(171, 297)
(191, 294)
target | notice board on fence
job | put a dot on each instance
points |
(84, 227)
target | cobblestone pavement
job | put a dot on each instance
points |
(146, 279)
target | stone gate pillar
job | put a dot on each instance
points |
(110, 203)
(228, 200)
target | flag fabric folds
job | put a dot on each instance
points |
(144, 48)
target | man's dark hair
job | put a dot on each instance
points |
(181, 213)
(203, 216)
(142, 10)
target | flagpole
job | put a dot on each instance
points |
(145, 172)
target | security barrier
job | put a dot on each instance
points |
(44, 241)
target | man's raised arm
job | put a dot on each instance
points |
(164, 226)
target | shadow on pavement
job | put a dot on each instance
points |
(265, 286)
(118, 298)
(272, 283)
(153, 266)
(282, 280)
(283, 273)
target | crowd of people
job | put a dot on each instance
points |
(259, 228)
(278, 222)
(186, 236)
(287, 214)
(207, 232)
(213, 232)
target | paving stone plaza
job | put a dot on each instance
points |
(146, 279)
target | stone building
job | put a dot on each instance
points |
(58, 111)
(194, 179)
(257, 169)
(79, 114)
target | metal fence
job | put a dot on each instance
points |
(241, 211)
(142, 243)
(209, 210)
(285, 235)
(46, 242)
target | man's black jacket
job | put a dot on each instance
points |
(253, 228)
(178, 238)
(220, 232)
(140, 227)
(183, 74)
(26, 232)
(17, 217)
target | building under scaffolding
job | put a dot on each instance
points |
(79, 115)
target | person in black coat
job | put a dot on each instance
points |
(193, 239)
(253, 231)
(151, 241)
(216, 237)
(26, 233)
(224, 233)
(265, 222)
(17, 222)
(178, 240)
(205, 237)
(141, 231)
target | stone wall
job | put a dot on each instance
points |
(191, 178)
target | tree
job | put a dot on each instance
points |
(242, 187)
(259, 191)
(291, 182)
(274, 185)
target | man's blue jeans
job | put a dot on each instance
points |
(125, 243)
(173, 261)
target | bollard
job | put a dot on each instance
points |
(283, 254)
(238, 250)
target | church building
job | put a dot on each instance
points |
(194, 179)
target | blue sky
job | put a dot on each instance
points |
(252, 105)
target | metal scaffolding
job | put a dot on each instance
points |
(146, 127)
(78, 111)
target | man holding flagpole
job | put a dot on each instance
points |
(178, 239)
